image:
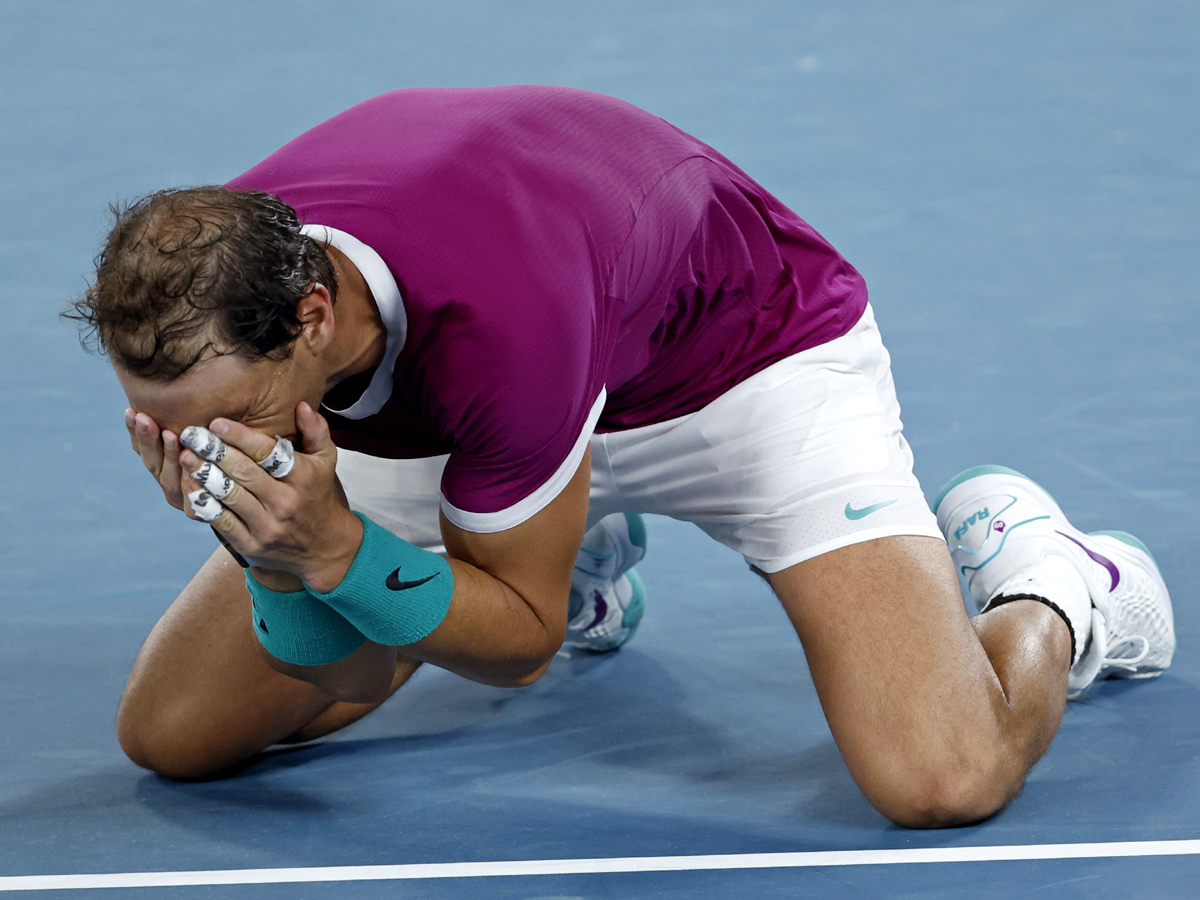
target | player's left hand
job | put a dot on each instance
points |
(299, 523)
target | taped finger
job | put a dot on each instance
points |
(213, 480)
(206, 507)
(204, 443)
(281, 459)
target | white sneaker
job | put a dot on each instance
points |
(998, 523)
(607, 596)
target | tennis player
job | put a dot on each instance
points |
(423, 368)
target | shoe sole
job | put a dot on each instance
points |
(1028, 489)
(1130, 542)
(637, 531)
(976, 471)
(1126, 538)
(637, 605)
(1058, 515)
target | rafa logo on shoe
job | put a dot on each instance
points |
(967, 523)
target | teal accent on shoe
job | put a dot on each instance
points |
(1126, 538)
(637, 530)
(637, 604)
(974, 472)
(1003, 541)
(966, 474)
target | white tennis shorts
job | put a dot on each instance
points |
(805, 457)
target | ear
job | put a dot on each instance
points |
(317, 322)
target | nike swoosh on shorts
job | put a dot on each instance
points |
(852, 513)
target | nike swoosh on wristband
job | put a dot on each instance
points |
(852, 513)
(394, 583)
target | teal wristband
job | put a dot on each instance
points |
(394, 593)
(297, 628)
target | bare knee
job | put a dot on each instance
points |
(189, 729)
(154, 750)
(941, 790)
(200, 698)
(157, 737)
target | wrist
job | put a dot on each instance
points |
(394, 592)
(330, 566)
(276, 579)
(295, 627)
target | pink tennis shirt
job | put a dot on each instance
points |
(549, 263)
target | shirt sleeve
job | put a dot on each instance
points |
(465, 478)
(512, 359)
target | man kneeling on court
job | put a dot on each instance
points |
(529, 315)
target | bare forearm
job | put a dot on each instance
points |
(505, 614)
(492, 634)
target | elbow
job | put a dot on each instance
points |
(516, 672)
(529, 677)
(525, 670)
(506, 677)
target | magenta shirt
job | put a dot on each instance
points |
(551, 245)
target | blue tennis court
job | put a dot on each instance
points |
(1020, 185)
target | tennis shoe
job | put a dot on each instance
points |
(607, 597)
(998, 524)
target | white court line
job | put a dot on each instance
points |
(802, 860)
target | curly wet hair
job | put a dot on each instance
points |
(193, 271)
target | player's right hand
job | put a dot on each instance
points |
(159, 451)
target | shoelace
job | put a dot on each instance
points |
(1112, 661)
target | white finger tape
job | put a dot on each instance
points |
(206, 507)
(204, 443)
(213, 480)
(281, 458)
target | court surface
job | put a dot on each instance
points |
(1020, 184)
